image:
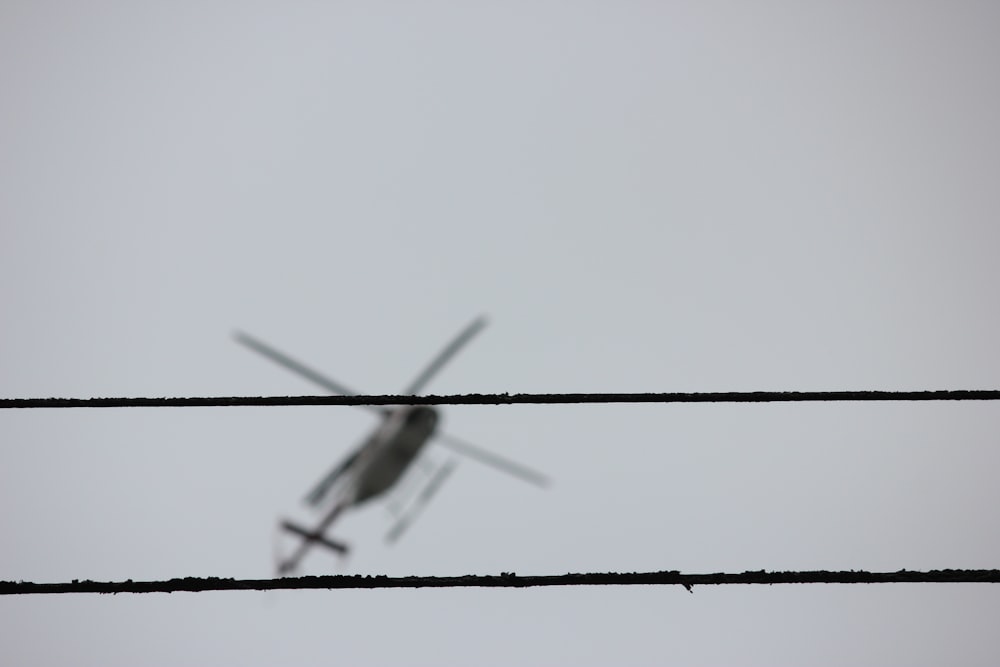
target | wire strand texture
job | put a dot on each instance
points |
(503, 580)
(509, 399)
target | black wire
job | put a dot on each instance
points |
(509, 399)
(506, 579)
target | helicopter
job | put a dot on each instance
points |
(376, 466)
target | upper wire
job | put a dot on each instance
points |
(509, 399)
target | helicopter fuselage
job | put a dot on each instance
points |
(390, 450)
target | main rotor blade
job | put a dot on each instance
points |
(489, 458)
(292, 365)
(444, 355)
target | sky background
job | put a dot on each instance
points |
(642, 196)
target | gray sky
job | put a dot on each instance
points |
(702, 196)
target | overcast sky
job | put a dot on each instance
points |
(642, 196)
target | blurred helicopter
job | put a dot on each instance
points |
(376, 466)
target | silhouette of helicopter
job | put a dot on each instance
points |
(375, 466)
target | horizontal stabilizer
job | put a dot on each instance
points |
(313, 536)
